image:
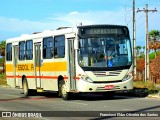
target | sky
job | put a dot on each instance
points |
(19, 17)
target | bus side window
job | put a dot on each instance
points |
(9, 52)
(59, 46)
(48, 47)
(29, 50)
(44, 51)
(22, 49)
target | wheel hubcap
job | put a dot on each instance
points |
(64, 92)
(25, 88)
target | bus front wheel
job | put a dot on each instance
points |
(63, 91)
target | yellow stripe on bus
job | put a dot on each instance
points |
(56, 66)
(9, 67)
(52, 66)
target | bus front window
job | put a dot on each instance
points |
(96, 52)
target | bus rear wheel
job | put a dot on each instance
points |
(63, 91)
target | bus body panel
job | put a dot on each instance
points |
(75, 68)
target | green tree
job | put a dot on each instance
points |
(154, 35)
(2, 52)
(142, 54)
(138, 48)
(2, 47)
(143, 48)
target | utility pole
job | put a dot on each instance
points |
(134, 42)
(147, 47)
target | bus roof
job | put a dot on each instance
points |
(59, 31)
(101, 25)
(45, 33)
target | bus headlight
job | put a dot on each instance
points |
(127, 77)
(86, 78)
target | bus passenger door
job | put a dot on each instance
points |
(15, 64)
(71, 64)
(37, 64)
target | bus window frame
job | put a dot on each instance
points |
(24, 55)
(29, 50)
(9, 52)
(51, 48)
(55, 48)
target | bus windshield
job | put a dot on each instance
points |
(104, 52)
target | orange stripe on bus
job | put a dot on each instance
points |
(44, 77)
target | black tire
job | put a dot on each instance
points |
(59, 89)
(63, 92)
(108, 95)
(27, 92)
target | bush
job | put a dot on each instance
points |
(3, 80)
(150, 85)
(139, 84)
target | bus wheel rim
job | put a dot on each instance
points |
(64, 92)
(25, 88)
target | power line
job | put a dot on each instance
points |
(146, 10)
(140, 20)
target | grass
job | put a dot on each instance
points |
(150, 85)
(3, 80)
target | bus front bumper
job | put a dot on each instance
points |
(84, 86)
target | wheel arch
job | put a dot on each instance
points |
(60, 78)
(23, 78)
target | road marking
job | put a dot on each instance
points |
(75, 103)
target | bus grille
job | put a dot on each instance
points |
(107, 81)
(106, 73)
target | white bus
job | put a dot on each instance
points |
(71, 60)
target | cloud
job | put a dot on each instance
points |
(67, 19)
(72, 18)
(73, 13)
(18, 25)
(94, 17)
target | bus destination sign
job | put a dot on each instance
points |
(92, 31)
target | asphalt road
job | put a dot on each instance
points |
(12, 100)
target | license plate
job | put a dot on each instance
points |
(108, 87)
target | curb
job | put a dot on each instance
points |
(5, 86)
(153, 96)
